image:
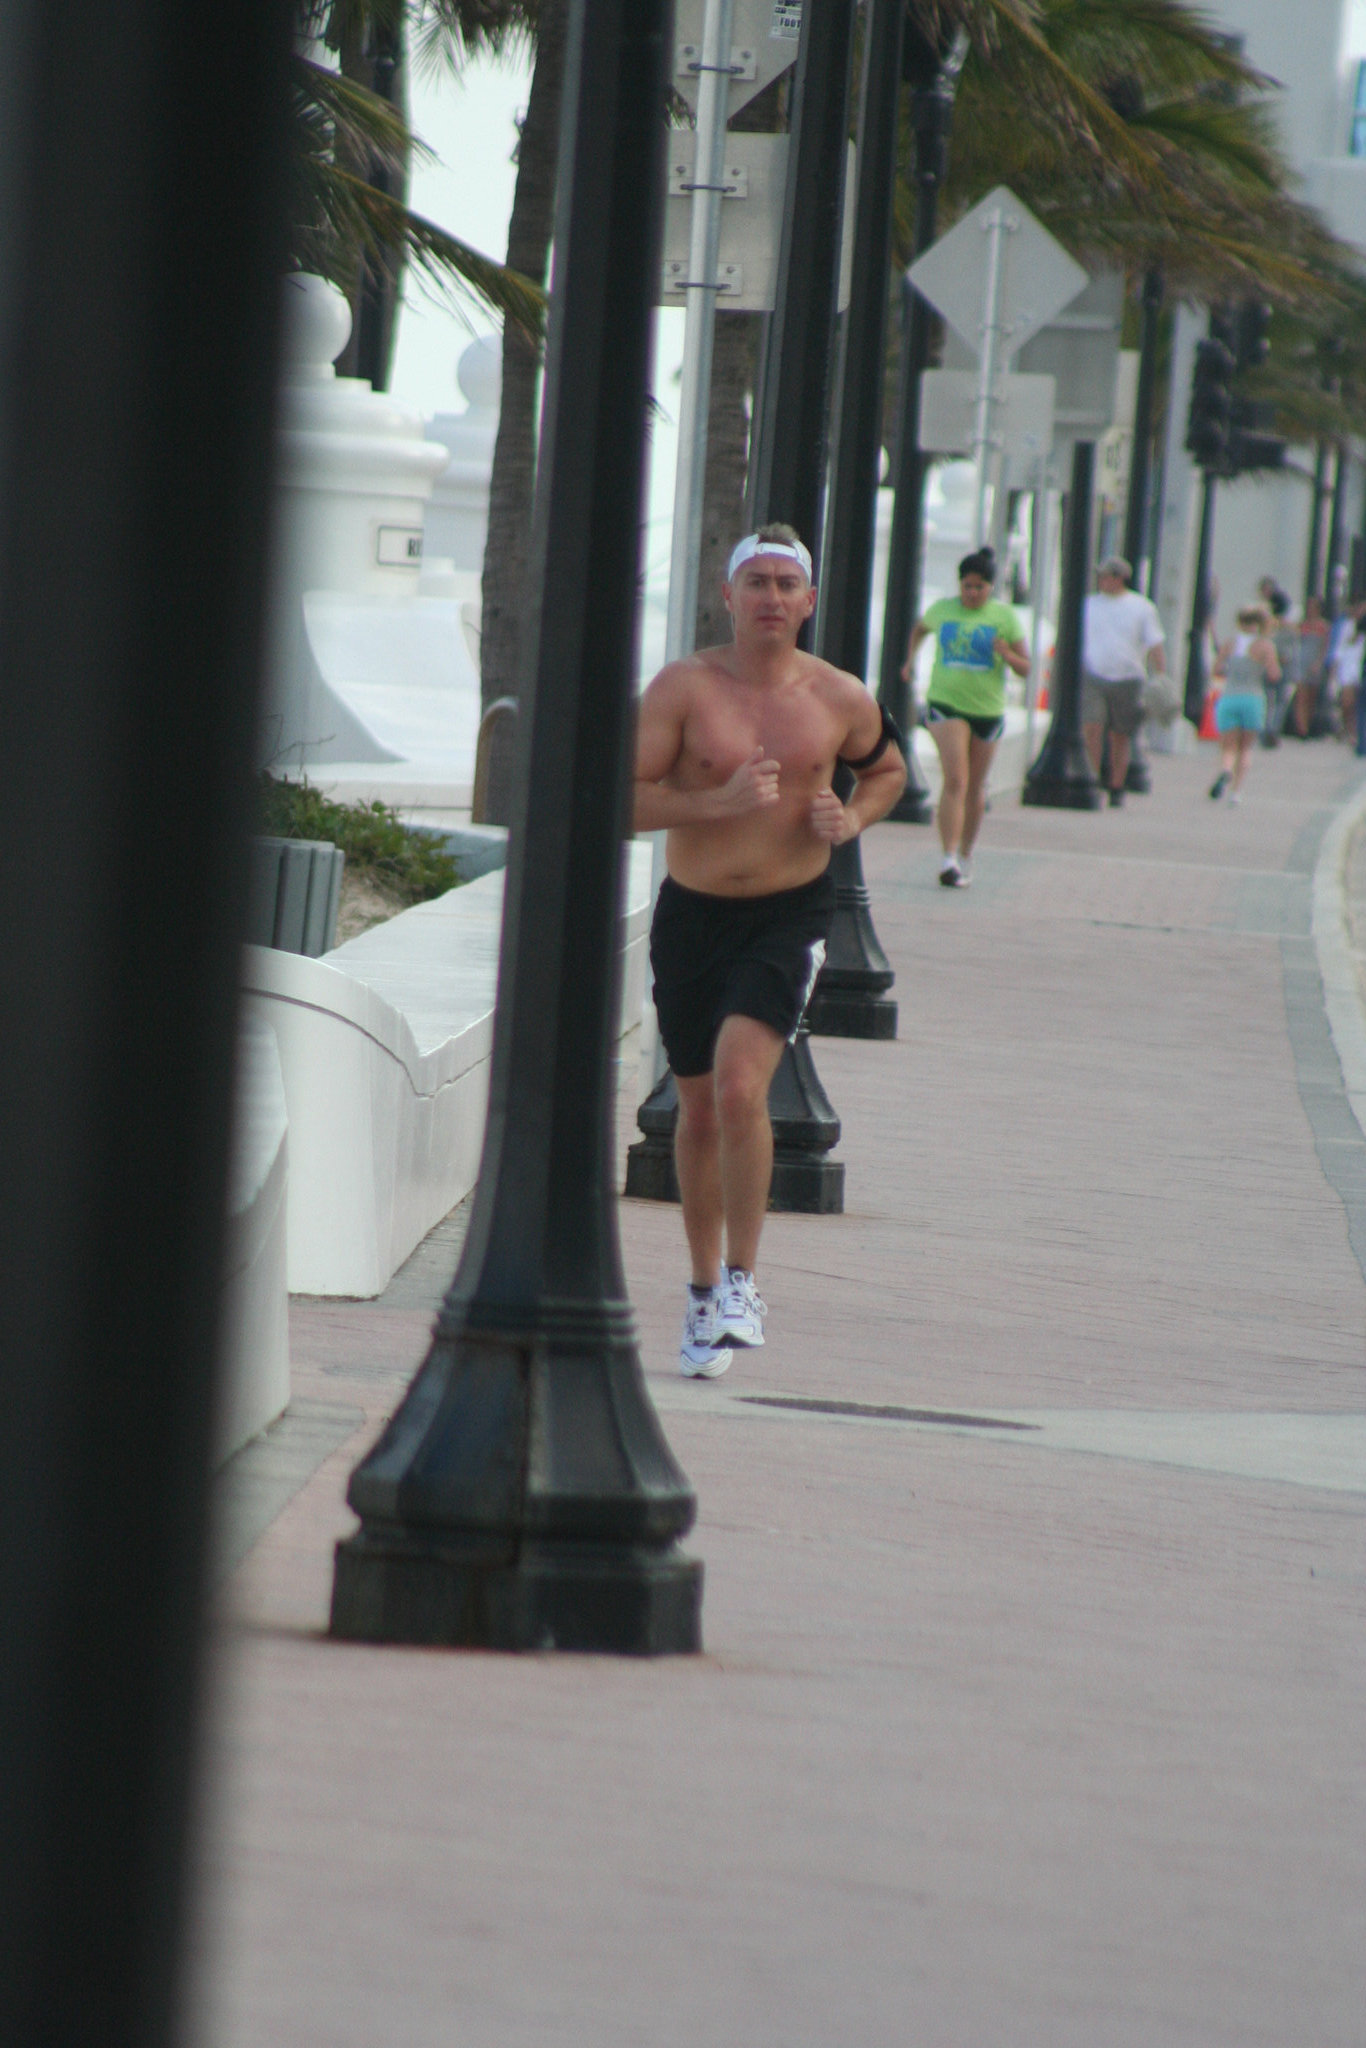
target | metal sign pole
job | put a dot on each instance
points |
(701, 288)
(995, 225)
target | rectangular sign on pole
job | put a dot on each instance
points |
(1021, 417)
(755, 176)
(764, 37)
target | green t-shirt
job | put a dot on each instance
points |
(969, 670)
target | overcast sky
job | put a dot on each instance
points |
(470, 123)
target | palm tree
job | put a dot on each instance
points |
(353, 148)
(512, 487)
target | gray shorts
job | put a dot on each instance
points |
(1114, 707)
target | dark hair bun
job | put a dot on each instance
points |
(982, 563)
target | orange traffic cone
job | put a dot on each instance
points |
(1208, 729)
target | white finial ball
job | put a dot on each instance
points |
(317, 325)
(479, 373)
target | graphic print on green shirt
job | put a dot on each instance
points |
(969, 673)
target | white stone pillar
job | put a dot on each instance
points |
(458, 513)
(353, 479)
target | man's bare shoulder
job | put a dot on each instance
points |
(842, 690)
(683, 679)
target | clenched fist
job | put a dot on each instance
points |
(830, 819)
(753, 785)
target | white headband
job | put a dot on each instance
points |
(751, 545)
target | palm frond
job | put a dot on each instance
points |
(346, 117)
(446, 34)
(348, 216)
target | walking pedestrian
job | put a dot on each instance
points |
(976, 638)
(1247, 663)
(736, 747)
(1122, 643)
(1286, 641)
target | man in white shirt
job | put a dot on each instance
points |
(1122, 640)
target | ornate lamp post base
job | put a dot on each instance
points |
(392, 1587)
(806, 1181)
(850, 997)
(523, 1498)
(915, 805)
(835, 1012)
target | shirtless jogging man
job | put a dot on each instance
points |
(735, 751)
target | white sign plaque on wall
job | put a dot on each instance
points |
(398, 547)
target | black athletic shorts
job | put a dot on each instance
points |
(982, 728)
(734, 956)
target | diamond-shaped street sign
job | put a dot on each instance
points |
(1035, 278)
(764, 37)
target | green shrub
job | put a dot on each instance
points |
(413, 865)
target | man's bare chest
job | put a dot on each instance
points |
(800, 733)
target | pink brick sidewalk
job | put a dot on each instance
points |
(995, 1741)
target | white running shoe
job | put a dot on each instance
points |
(704, 1355)
(740, 1319)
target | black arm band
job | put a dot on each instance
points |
(889, 737)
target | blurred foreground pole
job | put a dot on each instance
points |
(523, 1497)
(139, 284)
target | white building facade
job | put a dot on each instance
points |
(1316, 50)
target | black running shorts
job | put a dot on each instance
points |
(734, 956)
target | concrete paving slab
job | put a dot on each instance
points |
(1046, 1732)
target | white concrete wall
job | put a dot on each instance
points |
(384, 1048)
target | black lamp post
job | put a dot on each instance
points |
(523, 1496)
(1061, 777)
(1139, 776)
(850, 999)
(934, 80)
(1196, 676)
(1140, 465)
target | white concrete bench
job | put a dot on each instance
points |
(384, 1049)
(255, 1375)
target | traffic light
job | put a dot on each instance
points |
(1253, 442)
(1251, 344)
(1207, 431)
(1227, 433)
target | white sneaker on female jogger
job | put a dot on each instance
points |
(704, 1354)
(741, 1317)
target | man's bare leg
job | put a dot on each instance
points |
(697, 1159)
(747, 1056)
(1093, 738)
(1119, 758)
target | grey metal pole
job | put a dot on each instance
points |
(935, 81)
(699, 327)
(524, 1496)
(138, 309)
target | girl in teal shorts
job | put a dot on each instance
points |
(1247, 663)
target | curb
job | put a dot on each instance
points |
(1339, 963)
